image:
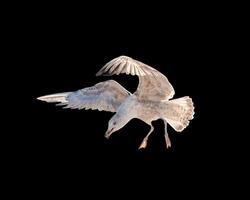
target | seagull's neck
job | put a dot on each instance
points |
(127, 109)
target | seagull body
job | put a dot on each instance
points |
(150, 102)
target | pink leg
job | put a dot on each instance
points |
(167, 140)
(145, 140)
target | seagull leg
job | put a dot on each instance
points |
(145, 140)
(167, 140)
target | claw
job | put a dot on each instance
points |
(168, 142)
(143, 144)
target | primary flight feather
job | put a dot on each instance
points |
(151, 100)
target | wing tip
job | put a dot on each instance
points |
(98, 73)
(39, 98)
(54, 98)
(102, 74)
(42, 98)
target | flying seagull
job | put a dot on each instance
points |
(151, 100)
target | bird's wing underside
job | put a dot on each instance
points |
(106, 96)
(153, 85)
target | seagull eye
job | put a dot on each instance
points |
(114, 123)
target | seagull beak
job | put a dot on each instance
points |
(108, 133)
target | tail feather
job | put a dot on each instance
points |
(54, 98)
(180, 111)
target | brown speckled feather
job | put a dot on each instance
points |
(153, 85)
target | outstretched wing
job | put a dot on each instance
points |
(153, 85)
(107, 96)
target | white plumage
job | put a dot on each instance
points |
(151, 100)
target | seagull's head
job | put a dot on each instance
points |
(115, 123)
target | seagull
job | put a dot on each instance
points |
(150, 102)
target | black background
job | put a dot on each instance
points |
(62, 48)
